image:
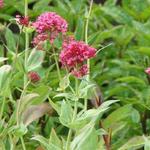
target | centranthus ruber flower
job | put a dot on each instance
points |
(1, 3)
(147, 71)
(50, 21)
(50, 24)
(74, 55)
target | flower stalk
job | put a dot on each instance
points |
(26, 43)
(86, 41)
(56, 62)
(74, 116)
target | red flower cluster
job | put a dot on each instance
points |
(51, 24)
(24, 21)
(1, 3)
(33, 76)
(73, 56)
(147, 71)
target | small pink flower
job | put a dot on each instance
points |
(22, 20)
(1, 3)
(33, 76)
(50, 22)
(147, 71)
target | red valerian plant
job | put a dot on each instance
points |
(147, 71)
(1, 3)
(73, 56)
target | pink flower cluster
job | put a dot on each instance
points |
(73, 56)
(147, 71)
(1, 3)
(74, 53)
(51, 24)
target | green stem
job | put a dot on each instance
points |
(2, 108)
(26, 42)
(56, 62)
(74, 117)
(22, 142)
(86, 41)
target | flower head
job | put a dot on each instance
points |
(74, 55)
(147, 71)
(1, 3)
(33, 76)
(22, 20)
(76, 52)
(50, 22)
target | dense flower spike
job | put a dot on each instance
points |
(50, 22)
(1, 3)
(33, 76)
(74, 54)
(148, 71)
(24, 21)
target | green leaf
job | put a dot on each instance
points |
(86, 139)
(132, 79)
(43, 91)
(10, 40)
(90, 115)
(18, 131)
(66, 113)
(64, 83)
(118, 14)
(135, 116)
(118, 115)
(55, 140)
(134, 143)
(45, 143)
(35, 59)
(4, 75)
